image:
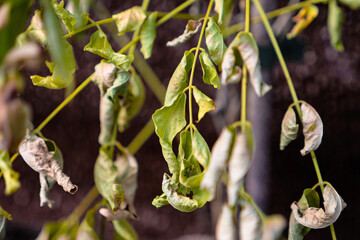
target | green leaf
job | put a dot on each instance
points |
(60, 51)
(334, 22)
(2, 227)
(71, 21)
(130, 19)
(169, 120)
(107, 180)
(219, 8)
(192, 27)
(160, 201)
(205, 103)
(310, 198)
(289, 128)
(17, 15)
(148, 35)
(119, 86)
(57, 230)
(108, 112)
(5, 214)
(179, 79)
(306, 15)
(11, 177)
(215, 42)
(124, 231)
(210, 75)
(86, 229)
(354, 4)
(100, 45)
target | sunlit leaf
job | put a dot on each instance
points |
(312, 128)
(215, 42)
(192, 27)
(148, 35)
(11, 177)
(36, 30)
(306, 15)
(100, 45)
(334, 23)
(86, 229)
(124, 231)
(250, 222)
(130, 19)
(273, 226)
(169, 120)
(5, 214)
(210, 75)
(160, 201)
(205, 103)
(225, 226)
(219, 8)
(289, 128)
(71, 21)
(316, 218)
(179, 79)
(354, 4)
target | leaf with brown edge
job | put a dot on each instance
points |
(225, 226)
(192, 27)
(205, 103)
(289, 128)
(312, 128)
(317, 218)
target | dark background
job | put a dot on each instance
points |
(326, 79)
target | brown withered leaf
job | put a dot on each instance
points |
(192, 27)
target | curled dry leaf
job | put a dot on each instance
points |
(289, 128)
(312, 128)
(273, 226)
(192, 27)
(219, 156)
(225, 226)
(250, 222)
(317, 218)
(306, 15)
(45, 159)
(104, 75)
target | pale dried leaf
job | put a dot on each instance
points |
(219, 155)
(28, 55)
(104, 74)
(312, 128)
(317, 218)
(225, 226)
(289, 128)
(192, 27)
(117, 215)
(250, 223)
(273, 226)
(230, 73)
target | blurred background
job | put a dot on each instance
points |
(326, 79)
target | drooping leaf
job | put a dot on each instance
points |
(160, 201)
(225, 226)
(15, 12)
(124, 230)
(108, 112)
(215, 41)
(119, 86)
(310, 198)
(100, 45)
(192, 27)
(250, 222)
(148, 35)
(219, 8)
(205, 103)
(86, 229)
(36, 30)
(289, 128)
(70, 20)
(119, 214)
(354, 4)
(60, 51)
(317, 218)
(306, 15)
(220, 154)
(107, 180)
(334, 22)
(58, 230)
(11, 177)
(179, 79)
(130, 19)
(273, 226)
(210, 75)
(104, 75)
(179, 202)
(312, 128)
(169, 120)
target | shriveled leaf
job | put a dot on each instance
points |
(354, 4)
(273, 226)
(179, 79)
(36, 30)
(205, 103)
(215, 41)
(334, 23)
(192, 27)
(160, 201)
(100, 45)
(104, 75)
(220, 154)
(148, 35)
(169, 120)
(124, 231)
(289, 128)
(306, 15)
(219, 8)
(108, 112)
(179, 202)
(107, 180)
(86, 229)
(70, 20)
(11, 177)
(310, 198)
(130, 19)
(317, 218)
(225, 226)
(119, 86)
(210, 75)
(312, 128)
(250, 222)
